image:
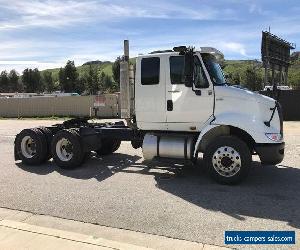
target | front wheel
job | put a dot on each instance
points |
(228, 159)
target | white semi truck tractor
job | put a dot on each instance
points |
(176, 105)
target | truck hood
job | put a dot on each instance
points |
(246, 110)
(230, 99)
(241, 93)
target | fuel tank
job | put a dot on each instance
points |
(168, 146)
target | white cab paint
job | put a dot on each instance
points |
(245, 110)
(150, 100)
(233, 106)
(189, 110)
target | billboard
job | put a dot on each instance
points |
(275, 54)
(275, 50)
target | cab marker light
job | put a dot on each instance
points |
(274, 136)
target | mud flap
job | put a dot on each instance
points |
(16, 155)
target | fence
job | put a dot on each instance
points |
(73, 106)
(290, 102)
(108, 107)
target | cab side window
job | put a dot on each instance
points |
(177, 72)
(177, 69)
(199, 75)
(150, 69)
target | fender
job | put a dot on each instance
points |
(205, 129)
(249, 123)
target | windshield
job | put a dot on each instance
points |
(214, 69)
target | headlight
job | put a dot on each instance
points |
(274, 136)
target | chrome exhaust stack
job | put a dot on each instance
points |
(126, 85)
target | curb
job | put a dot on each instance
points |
(65, 235)
(25, 230)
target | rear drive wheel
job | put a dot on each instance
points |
(31, 146)
(66, 149)
(48, 134)
(228, 160)
(108, 146)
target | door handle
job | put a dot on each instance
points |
(169, 105)
(197, 91)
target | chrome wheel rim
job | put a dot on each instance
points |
(64, 149)
(226, 161)
(28, 147)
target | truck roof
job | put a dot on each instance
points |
(209, 50)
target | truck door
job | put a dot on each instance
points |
(187, 108)
(150, 93)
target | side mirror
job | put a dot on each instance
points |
(189, 68)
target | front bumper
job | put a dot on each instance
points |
(270, 153)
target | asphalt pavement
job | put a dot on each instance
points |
(122, 191)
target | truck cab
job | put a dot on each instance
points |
(164, 102)
(207, 110)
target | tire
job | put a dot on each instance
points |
(228, 160)
(108, 146)
(31, 146)
(116, 145)
(137, 144)
(48, 134)
(86, 156)
(67, 150)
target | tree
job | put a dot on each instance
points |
(26, 79)
(37, 80)
(62, 78)
(116, 69)
(101, 81)
(32, 80)
(4, 82)
(108, 83)
(71, 75)
(68, 77)
(91, 80)
(14, 81)
(80, 85)
(234, 78)
(294, 80)
(47, 78)
(252, 79)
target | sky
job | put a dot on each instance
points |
(47, 33)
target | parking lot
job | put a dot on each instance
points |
(122, 191)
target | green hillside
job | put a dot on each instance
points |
(103, 76)
(237, 71)
(105, 67)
